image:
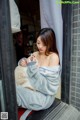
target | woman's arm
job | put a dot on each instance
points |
(47, 85)
(24, 61)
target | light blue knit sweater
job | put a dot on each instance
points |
(46, 81)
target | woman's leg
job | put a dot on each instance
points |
(21, 97)
(27, 98)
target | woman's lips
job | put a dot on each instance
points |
(40, 50)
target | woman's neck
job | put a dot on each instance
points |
(41, 54)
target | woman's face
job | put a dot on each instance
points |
(40, 45)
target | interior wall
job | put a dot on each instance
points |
(71, 55)
(75, 57)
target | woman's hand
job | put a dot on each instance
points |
(31, 58)
(24, 61)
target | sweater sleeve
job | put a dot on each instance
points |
(45, 84)
(21, 59)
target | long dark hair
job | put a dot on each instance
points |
(49, 40)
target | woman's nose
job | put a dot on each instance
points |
(40, 46)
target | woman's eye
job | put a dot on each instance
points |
(38, 43)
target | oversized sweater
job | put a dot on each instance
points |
(46, 81)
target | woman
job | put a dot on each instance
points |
(43, 70)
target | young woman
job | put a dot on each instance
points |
(43, 70)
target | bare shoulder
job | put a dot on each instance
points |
(54, 56)
(54, 59)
